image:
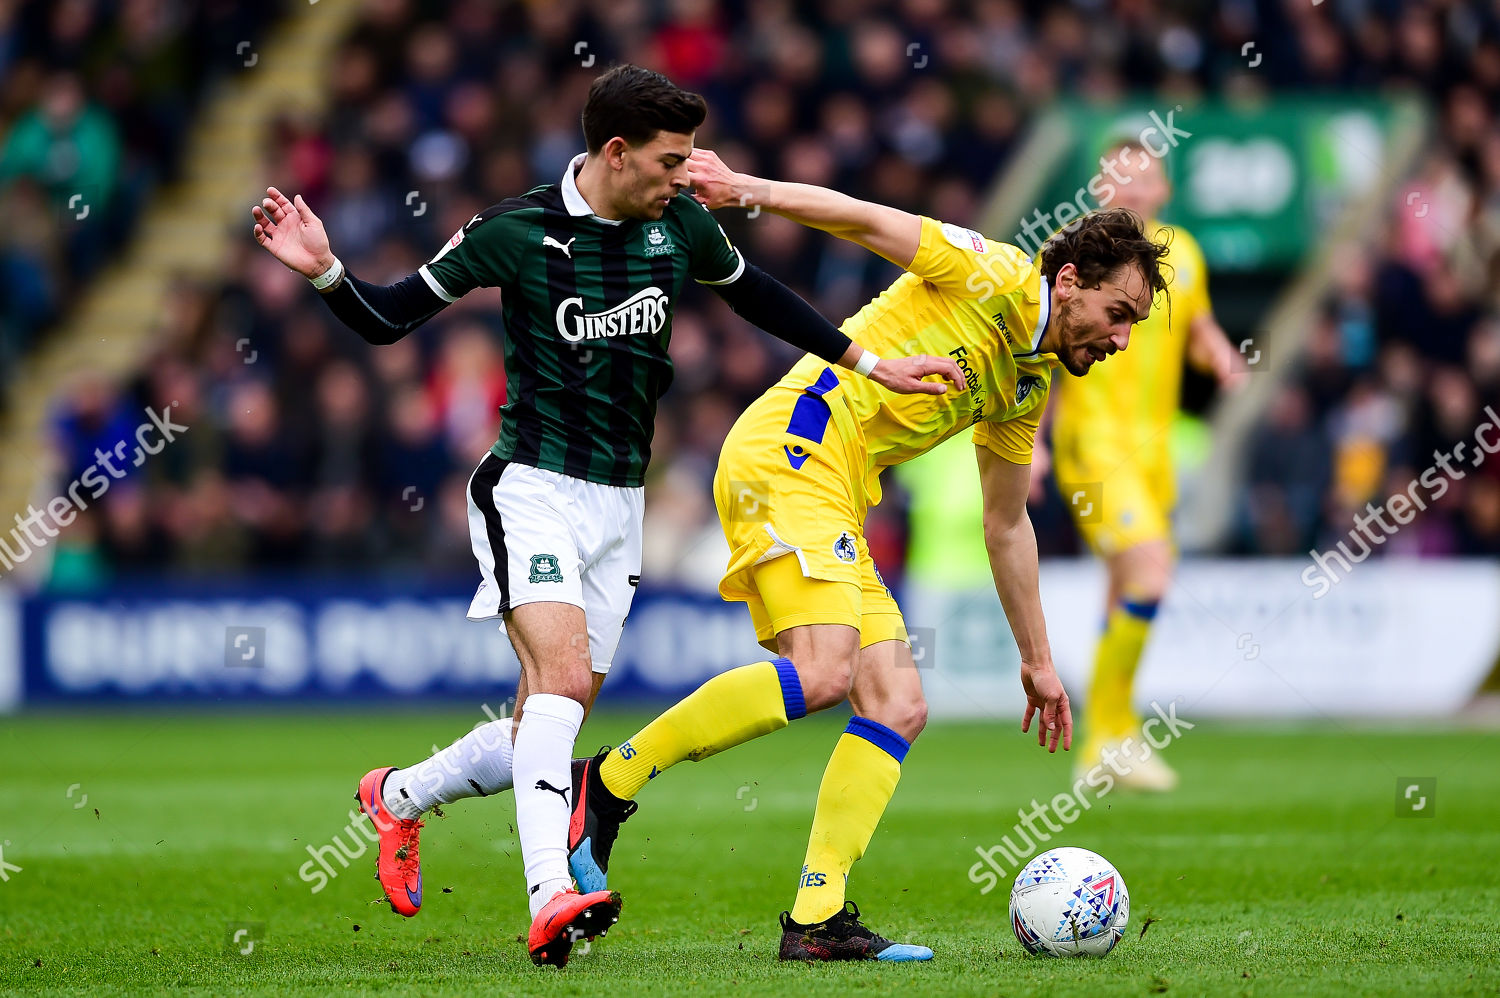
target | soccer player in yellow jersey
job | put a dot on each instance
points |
(801, 467)
(1110, 433)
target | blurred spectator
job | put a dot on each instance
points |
(95, 101)
(1402, 365)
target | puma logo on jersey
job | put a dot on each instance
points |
(566, 247)
(643, 313)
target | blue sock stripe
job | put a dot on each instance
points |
(791, 688)
(880, 736)
(1143, 611)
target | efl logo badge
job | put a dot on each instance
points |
(962, 238)
(544, 568)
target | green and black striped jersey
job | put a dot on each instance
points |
(588, 315)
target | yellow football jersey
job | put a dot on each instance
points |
(1126, 404)
(982, 303)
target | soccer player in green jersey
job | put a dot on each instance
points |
(590, 268)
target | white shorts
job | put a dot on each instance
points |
(545, 537)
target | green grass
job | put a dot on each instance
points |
(1279, 868)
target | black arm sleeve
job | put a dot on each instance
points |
(760, 298)
(383, 313)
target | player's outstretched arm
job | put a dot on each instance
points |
(761, 299)
(289, 231)
(1209, 350)
(890, 232)
(1011, 544)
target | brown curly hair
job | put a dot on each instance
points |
(1101, 242)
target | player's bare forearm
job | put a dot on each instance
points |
(1013, 560)
(890, 232)
(1209, 349)
(1010, 542)
(1013, 563)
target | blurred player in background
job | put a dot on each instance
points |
(590, 268)
(1111, 431)
(802, 466)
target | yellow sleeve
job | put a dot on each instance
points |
(965, 264)
(1014, 439)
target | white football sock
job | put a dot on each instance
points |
(544, 792)
(476, 765)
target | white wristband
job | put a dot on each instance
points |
(329, 277)
(866, 363)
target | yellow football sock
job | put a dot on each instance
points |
(1108, 714)
(730, 708)
(857, 785)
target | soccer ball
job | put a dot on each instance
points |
(1069, 902)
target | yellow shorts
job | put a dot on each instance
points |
(1116, 505)
(791, 499)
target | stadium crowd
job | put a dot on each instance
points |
(95, 100)
(1404, 361)
(309, 451)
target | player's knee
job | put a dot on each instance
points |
(826, 681)
(915, 719)
(1148, 587)
(906, 717)
(566, 684)
(1144, 573)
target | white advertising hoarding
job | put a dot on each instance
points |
(1241, 638)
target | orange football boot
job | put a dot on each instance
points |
(567, 918)
(396, 864)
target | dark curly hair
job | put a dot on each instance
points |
(635, 104)
(1100, 243)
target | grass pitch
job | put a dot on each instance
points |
(1281, 866)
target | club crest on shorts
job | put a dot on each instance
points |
(544, 568)
(844, 548)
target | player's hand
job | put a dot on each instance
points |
(904, 375)
(292, 233)
(717, 186)
(1045, 693)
